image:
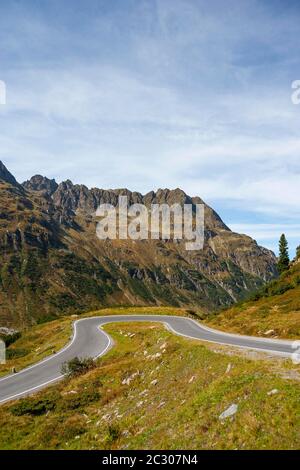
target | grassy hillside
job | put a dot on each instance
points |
(274, 311)
(157, 390)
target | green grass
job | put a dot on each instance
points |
(37, 343)
(276, 307)
(180, 410)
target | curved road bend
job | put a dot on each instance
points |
(91, 341)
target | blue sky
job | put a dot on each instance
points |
(159, 93)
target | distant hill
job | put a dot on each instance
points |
(52, 263)
(274, 311)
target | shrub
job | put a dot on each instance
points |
(113, 433)
(34, 407)
(16, 353)
(10, 338)
(255, 296)
(77, 366)
(297, 281)
(47, 318)
(72, 427)
(81, 399)
(192, 312)
(279, 289)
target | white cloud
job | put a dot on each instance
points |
(268, 234)
(200, 100)
(268, 231)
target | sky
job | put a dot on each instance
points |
(150, 94)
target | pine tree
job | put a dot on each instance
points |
(284, 259)
(298, 252)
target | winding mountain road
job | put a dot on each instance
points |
(89, 340)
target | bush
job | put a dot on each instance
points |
(72, 427)
(33, 407)
(297, 281)
(113, 433)
(279, 289)
(16, 353)
(81, 399)
(198, 315)
(276, 287)
(47, 318)
(254, 297)
(77, 366)
(10, 338)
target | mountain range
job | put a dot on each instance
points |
(52, 263)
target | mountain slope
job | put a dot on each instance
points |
(52, 263)
(158, 400)
(274, 310)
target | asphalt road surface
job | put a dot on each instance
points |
(89, 340)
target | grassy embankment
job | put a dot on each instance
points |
(275, 308)
(157, 390)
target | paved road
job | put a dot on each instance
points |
(89, 340)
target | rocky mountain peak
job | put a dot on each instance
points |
(40, 183)
(52, 227)
(67, 184)
(6, 176)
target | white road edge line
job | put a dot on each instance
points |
(285, 342)
(47, 358)
(249, 348)
(170, 328)
(108, 346)
(31, 389)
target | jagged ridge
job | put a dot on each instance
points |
(52, 263)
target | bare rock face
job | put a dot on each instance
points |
(6, 176)
(220, 240)
(40, 183)
(52, 263)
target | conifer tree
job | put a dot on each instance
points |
(284, 259)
